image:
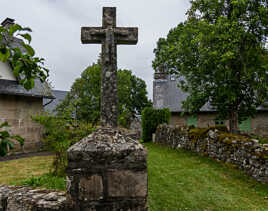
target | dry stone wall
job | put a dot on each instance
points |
(26, 199)
(245, 153)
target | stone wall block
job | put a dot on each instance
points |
(107, 171)
(248, 155)
(127, 183)
(26, 199)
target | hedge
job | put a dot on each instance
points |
(151, 118)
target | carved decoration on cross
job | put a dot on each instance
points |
(109, 36)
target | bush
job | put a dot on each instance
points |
(58, 135)
(6, 140)
(151, 118)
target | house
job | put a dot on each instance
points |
(17, 104)
(166, 94)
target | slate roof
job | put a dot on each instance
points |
(173, 96)
(41, 90)
(59, 97)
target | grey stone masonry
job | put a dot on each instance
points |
(107, 171)
(27, 199)
(109, 36)
(245, 153)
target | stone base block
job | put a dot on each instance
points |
(107, 171)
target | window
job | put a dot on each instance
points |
(219, 122)
(245, 125)
(191, 121)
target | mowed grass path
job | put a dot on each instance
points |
(178, 180)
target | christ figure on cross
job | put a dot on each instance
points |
(109, 36)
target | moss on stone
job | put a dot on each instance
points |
(228, 138)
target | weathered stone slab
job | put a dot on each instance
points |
(127, 183)
(107, 171)
(107, 147)
(91, 188)
(27, 199)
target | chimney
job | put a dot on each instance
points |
(8, 22)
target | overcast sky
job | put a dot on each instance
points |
(56, 26)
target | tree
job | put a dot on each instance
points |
(220, 56)
(26, 67)
(83, 101)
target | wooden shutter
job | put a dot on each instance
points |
(191, 120)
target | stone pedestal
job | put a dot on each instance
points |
(107, 171)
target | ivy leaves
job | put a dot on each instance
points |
(26, 66)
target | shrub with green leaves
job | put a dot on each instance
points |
(59, 134)
(6, 140)
(25, 65)
(151, 118)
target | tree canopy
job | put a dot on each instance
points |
(25, 65)
(83, 101)
(220, 56)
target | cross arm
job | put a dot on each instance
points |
(126, 35)
(92, 35)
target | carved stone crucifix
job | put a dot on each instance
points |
(109, 36)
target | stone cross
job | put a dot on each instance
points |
(109, 36)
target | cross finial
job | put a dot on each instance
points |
(109, 17)
(109, 36)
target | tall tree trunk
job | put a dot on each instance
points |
(233, 122)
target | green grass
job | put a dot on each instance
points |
(178, 180)
(181, 180)
(18, 170)
(47, 181)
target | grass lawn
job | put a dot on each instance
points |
(178, 180)
(15, 171)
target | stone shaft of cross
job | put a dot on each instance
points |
(109, 36)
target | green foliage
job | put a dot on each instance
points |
(6, 140)
(48, 181)
(83, 101)
(151, 118)
(25, 65)
(220, 57)
(59, 135)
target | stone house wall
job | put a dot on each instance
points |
(247, 154)
(17, 111)
(259, 124)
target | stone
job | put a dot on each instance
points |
(127, 183)
(244, 153)
(19, 198)
(91, 188)
(107, 169)
(109, 36)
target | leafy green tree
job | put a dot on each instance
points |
(220, 56)
(83, 101)
(25, 65)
